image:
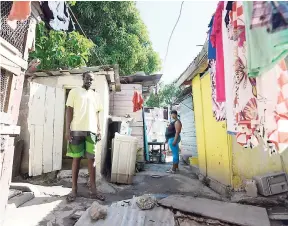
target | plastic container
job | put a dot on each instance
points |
(124, 159)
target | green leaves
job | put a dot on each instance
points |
(57, 49)
(165, 97)
(119, 34)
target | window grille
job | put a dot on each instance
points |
(16, 37)
(5, 86)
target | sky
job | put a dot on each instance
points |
(160, 18)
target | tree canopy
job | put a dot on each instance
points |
(119, 34)
(164, 97)
(58, 49)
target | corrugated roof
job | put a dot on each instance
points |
(114, 79)
(198, 65)
(127, 213)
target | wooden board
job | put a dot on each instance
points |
(58, 128)
(227, 212)
(36, 149)
(6, 159)
(48, 130)
(36, 104)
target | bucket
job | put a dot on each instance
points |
(193, 161)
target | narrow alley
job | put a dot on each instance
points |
(144, 113)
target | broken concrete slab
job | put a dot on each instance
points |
(227, 212)
(19, 200)
(278, 213)
(25, 187)
(13, 193)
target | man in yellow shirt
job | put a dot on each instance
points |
(83, 131)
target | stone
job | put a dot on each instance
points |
(251, 188)
(146, 202)
(20, 199)
(97, 211)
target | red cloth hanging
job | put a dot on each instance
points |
(137, 101)
(20, 10)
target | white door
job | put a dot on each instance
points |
(45, 125)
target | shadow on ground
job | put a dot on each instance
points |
(53, 210)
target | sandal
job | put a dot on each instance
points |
(97, 195)
(171, 171)
(71, 197)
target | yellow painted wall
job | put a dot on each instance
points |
(215, 154)
(247, 163)
(220, 156)
(199, 124)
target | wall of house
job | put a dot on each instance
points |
(214, 147)
(188, 134)
(220, 156)
(247, 163)
(59, 83)
(121, 104)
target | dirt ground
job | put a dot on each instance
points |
(52, 207)
(49, 207)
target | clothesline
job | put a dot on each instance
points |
(246, 51)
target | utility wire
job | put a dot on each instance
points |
(181, 7)
(101, 62)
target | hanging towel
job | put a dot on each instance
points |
(261, 14)
(228, 46)
(218, 108)
(228, 9)
(244, 88)
(279, 18)
(273, 108)
(264, 50)
(137, 101)
(20, 11)
(216, 40)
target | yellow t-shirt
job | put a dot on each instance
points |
(86, 104)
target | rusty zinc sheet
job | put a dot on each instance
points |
(127, 213)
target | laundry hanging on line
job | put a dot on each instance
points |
(137, 101)
(265, 50)
(216, 40)
(57, 16)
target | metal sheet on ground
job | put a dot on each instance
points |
(227, 212)
(126, 213)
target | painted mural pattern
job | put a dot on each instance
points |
(258, 114)
(273, 108)
(218, 108)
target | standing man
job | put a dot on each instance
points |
(173, 138)
(83, 132)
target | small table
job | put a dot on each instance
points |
(158, 144)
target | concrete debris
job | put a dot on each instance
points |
(97, 211)
(251, 188)
(183, 218)
(227, 212)
(77, 215)
(146, 202)
(19, 200)
(13, 193)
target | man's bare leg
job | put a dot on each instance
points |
(92, 176)
(75, 171)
